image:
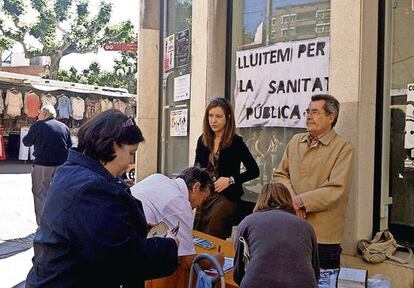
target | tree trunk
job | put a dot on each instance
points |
(54, 65)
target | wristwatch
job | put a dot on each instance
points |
(231, 180)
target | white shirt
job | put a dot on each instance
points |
(165, 199)
(48, 99)
(78, 107)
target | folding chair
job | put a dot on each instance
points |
(195, 267)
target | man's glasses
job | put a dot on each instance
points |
(129, 122)
(313, 112)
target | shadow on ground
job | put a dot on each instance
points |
(14, 246)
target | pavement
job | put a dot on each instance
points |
(17, 224)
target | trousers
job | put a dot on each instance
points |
(329, 256)
(41, 178)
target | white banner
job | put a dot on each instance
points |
(274, 83)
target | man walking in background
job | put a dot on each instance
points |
(51, 140)
(317, 169)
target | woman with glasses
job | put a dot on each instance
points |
(274, 247)
(221, 151)
(93, 232)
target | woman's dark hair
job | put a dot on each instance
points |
(97, 136)
(229, 130)
(274, 195)
(195, 174)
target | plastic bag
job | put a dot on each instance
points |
(379, 281)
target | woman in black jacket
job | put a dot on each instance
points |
(93, 232)
(221, 151)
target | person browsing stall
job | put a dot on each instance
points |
(221, 151)
(51, 140)
(93, 232)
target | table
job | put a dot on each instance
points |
(179, 278)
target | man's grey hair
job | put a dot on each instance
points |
(331, 105)
(195, 174)
(49, 111)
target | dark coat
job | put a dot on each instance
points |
(283, 251)
(229, 165)
(51, 140)
(93, 233)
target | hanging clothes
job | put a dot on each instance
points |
(92, 107)
(48, 99)
(130, 110)
(1, 102)
(31, 104)
(13, 145)
(64, 107)
(14, 102)
(2, 146)
(106, 104)
(78, 107)
(25, 153)
(120, 105)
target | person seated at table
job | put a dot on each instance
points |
(281, 247)
(172, 201)
(93, 233)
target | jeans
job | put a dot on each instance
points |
(329, 255)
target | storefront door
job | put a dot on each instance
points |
(398, 120)
(175, 86)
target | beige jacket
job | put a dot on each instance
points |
(321, 176)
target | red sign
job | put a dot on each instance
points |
(116, 46)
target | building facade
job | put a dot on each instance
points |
(360, 51)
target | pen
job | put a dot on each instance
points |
(219, 248)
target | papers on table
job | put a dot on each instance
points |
(228, 265)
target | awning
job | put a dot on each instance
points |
(48, 85)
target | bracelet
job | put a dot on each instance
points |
(231, 180)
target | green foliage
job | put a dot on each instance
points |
(61, 27)
(5, 44)
(123, 74)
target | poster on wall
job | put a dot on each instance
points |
(182, 88)
(274, 83)
(169, 53)
(409, 128)
(182, 49)
(178, 122)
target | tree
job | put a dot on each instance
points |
(60, 27)
(123, 74)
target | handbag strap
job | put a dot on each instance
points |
(399, 259)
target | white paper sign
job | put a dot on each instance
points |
(274, 83)
(182, 88)
(178, 122)
(409, 119)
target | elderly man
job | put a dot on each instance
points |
(317, 168)
(51, 140)
(172, 201)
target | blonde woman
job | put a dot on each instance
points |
(282, 247)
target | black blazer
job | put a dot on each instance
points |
(229, 165)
